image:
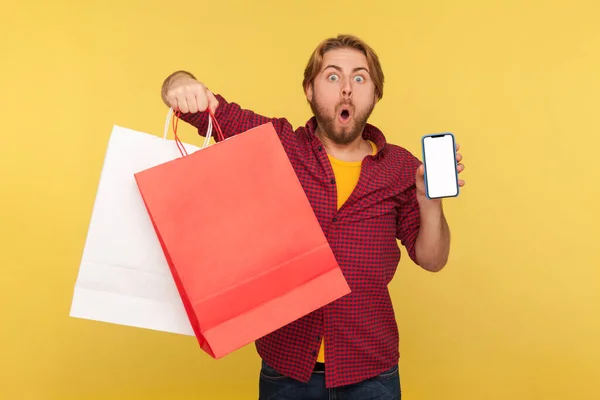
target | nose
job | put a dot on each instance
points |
(346, 90)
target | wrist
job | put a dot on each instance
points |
(430, 207)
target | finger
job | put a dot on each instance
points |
(199, 103)
(172, 100)
(461, 182)
(183, 105)
(213, 103)
(460, 168)
(191, 102)
(458, 157)
(457, 146)
(200, 99)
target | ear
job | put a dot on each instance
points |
(308, 90)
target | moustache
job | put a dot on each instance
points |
(345, 104)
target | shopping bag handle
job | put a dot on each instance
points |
(211, 120)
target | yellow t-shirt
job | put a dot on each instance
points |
(346, 177)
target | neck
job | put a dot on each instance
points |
(353, 151)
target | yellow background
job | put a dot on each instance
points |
(515, 315)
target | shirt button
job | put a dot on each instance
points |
(334, 219)
(314, 353)
(333, 181)
(320, 148)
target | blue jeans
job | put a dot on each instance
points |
(275, 386)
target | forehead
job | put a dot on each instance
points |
(347, 59)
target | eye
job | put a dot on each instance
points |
(333, 77)
(359, 79)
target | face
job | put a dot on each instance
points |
(342, 96)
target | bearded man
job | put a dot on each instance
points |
(366, 194)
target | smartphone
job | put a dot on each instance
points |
(441, 168)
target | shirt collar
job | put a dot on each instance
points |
(370, 132)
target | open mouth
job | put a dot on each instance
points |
(344, 115)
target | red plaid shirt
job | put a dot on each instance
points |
(360, 331)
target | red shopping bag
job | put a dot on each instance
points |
(241, 239)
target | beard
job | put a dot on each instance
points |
(328, 123)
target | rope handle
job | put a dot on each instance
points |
(211, 120)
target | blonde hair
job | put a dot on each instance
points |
(315, 62)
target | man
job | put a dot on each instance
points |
(366, 194)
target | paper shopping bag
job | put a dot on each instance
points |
(123, 275)
(242, 241)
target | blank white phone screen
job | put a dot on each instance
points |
(440, 166)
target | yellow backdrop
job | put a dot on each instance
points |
(515, 315)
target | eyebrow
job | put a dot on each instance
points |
(339, 69)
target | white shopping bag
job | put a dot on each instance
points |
(124, 277)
